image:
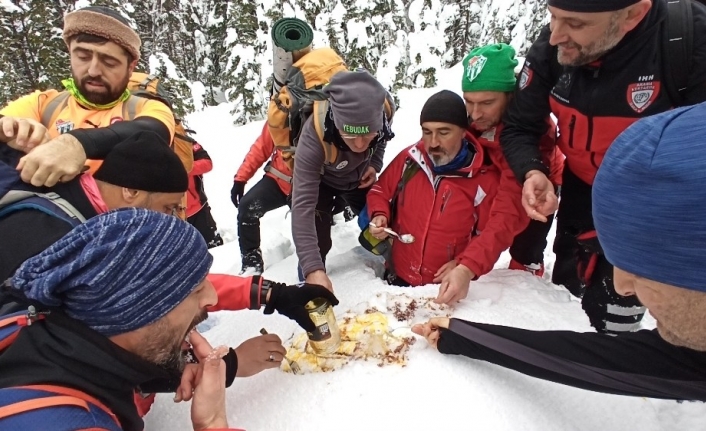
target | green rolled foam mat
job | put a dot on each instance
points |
(292, 34)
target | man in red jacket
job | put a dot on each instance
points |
(445, 204)
(268, 194)
(488, 81)
(198, 211)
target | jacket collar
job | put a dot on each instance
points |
(419, 155)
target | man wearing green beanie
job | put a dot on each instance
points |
(488, 81)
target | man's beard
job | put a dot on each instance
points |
(439, 158)
(594, 51)
(110, 94)
(164, 344)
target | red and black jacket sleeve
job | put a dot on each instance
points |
(236, 293)
(525, 118)
(637, 363)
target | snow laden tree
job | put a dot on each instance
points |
(34, 55)
(515, 23)
(462, 29)
(246, 47)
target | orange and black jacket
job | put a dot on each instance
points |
(596, 102)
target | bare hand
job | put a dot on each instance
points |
(23, 134)
(60, 159)
(454, 285)
(369, 178)
(254, 354)
(319, 277)
(445, 269)
(380, 222)
(538, 197)
(189, 377)
(208, 408)
(430, 330)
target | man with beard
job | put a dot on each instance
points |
(118, 298)
(657, 245)
(599, 66)
(444, 203)
(103, 51)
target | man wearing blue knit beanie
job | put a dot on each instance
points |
(115, 299)
(648, 206)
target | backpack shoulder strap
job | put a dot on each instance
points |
(677, 43)
(320, 111)
(132, 104)
(389, 107)
(52, 107)
(49, 203)
(43, 399)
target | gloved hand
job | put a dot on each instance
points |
(587, 251)
(237, 192)
(290, 301)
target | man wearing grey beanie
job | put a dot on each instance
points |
(339, 171)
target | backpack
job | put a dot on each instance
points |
(37, 406)
(15, 195)
(678, 47)
(142, 86)
(293, 104)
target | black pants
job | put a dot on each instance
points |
(265, 196)
(332, 201)
(606, 309)
(203, 222)
(528, 247)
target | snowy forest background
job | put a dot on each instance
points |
(217, 51)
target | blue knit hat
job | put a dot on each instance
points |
(649, 199)
(119, 271)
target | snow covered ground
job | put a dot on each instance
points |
(434, 391)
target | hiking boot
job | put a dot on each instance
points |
(533, 268)
(217, 241)
(252, 263)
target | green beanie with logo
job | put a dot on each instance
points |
(489, 68)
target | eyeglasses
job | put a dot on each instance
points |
(367, 136)
(175, 210)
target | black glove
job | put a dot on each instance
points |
(290, 301)
(587, 251)
(237, 192)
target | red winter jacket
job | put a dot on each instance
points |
(262, 149)
(195, 195)
(447, 215)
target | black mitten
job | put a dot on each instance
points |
(290, 301)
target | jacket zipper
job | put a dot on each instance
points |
(444, 200)
(589, 136)
(572, 126)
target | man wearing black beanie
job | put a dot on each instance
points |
(599, 66)
(438, 191)
(140, 172)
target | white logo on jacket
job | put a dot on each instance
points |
(342, 165)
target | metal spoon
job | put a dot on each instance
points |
(406, 238)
